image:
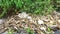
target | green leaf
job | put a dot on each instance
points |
(28, 29)
(10, 31)
(49, 29)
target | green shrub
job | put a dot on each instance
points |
(5, 5)
(42, 7)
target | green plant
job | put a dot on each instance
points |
(4, 4)
(29, 31)
(49, 29)
(10, 31)
(42, 7)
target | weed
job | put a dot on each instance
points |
(29, 31)
(10, 31)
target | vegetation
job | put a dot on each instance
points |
(29, 31)
(10, 31)
(42, 7)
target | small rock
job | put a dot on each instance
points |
(51, 22)
(17, 22)
(53, 26)
(2, 21)
(46, 20)
(59, 21)
(29, 17)
(40, 22)
(15, 27)
(26, 26)
(23, 15)
(43, 28)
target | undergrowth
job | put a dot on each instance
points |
(42, 7)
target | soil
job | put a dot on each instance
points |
(48, 24)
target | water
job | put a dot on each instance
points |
(57, 32)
